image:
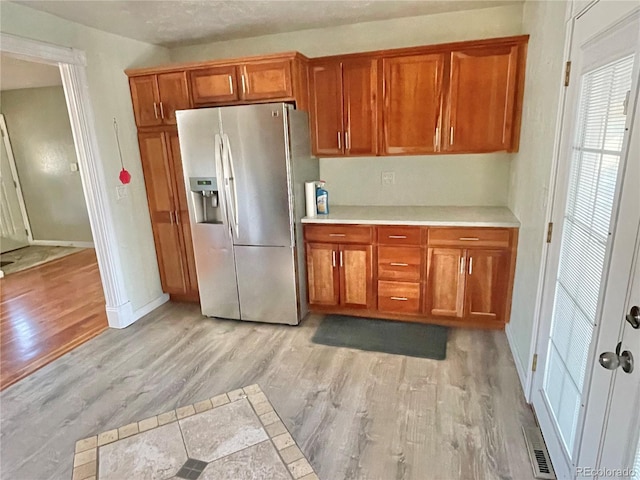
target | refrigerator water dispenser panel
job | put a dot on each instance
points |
(204, 197)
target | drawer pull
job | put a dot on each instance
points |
(395, 264)
(469, 239)
(401, 299)
(397, 236)
(337, 234)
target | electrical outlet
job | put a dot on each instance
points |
(121, 192)
(388, 178)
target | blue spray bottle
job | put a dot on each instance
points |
(322, 199)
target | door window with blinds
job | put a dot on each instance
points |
(594, 163)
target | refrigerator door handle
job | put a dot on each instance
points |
(233, 200)
(221, 173)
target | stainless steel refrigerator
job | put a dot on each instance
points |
(244, 169)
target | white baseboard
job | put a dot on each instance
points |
(61, 243)
(151, 306)
(124, 315)
(522, 372)
(120, 316)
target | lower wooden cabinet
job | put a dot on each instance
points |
(445, 282)
(162, 167)
(467, 283)
(356, 277)
(486, 287)
(339, 275)
(323, 280)
(452, 276)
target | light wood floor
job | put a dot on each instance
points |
(48, 310)
(356, 415)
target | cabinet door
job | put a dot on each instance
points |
(323, 279)
(486, 285)
(214, 85)
(359, 83)
(412, 103)
(146, 99)
(325, 82)
(174, 95)
(266, 80)
(445, 282)
(482, 95)
(182, 211)
(160, 195)
(356, 278)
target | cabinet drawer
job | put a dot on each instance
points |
(338, 233)
(399, 297)
(399, 263)
(391, 235)
(469, 237)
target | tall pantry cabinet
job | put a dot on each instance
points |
(155, 100)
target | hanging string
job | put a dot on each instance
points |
(115, 129)
(125, 176)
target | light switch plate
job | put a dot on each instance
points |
(121, 192)
(73, 167)
(388, 178)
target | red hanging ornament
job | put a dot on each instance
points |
(125, 176)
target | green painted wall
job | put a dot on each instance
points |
(43, 147)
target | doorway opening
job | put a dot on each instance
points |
(52, 297)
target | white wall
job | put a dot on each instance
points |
(107, 57)
(437, 179)
(531, 166)
(43, 147)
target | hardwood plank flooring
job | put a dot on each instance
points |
(46, 311)
(355, 414)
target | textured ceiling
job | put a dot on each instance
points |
(177, 22)
(15, 73)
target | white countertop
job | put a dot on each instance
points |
(411, 215)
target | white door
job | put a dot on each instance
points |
(597, 176)
(13, 230)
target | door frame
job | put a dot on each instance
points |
(14, 175)
(542, 326)
(72, 64)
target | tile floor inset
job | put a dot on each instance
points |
(259, 462)
(223, 437)
(155, 454)
(236, 427)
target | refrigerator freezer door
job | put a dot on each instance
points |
(267, 284)
(256, 139)
(216, 270)
(199, 133)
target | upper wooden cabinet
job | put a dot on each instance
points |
(461, 97)
(158, 92)
(214, 85)
(325, 86)
(482, 99)
(254, 81)
(412, 103)
(343, 107)
(266, 80)
(157, 97)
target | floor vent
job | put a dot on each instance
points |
(540, 462)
